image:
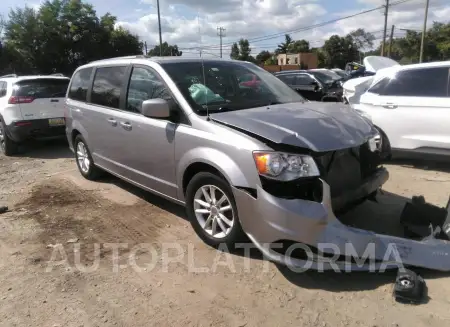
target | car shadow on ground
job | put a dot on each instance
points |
(382, 216)
(149, 197)
(45, 149)
(440, 165)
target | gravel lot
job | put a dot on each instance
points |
(52, 204)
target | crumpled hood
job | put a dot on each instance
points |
(318, 126)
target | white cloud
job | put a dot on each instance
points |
(195, 24)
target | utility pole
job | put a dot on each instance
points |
(386, 10)
(221, 34)
(391, 41)
(145, 47)
(159, 25)
(424, 30)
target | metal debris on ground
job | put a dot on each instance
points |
(409, 287)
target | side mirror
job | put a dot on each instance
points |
(155, 108)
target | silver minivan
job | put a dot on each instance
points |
(249, 160)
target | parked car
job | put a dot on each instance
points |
(410, 105)
(30, 107)
(341, 73)
(310, 86)
(259, 164)
(355, 87)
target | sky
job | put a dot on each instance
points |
(192, 24)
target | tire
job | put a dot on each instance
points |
(233, 234)
(7, 146)
(86, 168)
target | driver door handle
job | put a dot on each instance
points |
(112, 121)
(390, 106)
(126, 126)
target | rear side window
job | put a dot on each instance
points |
(2, 89)
(108, 82)
(424, 82)
(80, 84)
(304, 79)
(41, 88)
(379, 87)
(288, 79)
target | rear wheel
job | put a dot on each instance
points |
(84, 159)
(7, 146)
(212, 211)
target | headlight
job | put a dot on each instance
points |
(376, 143)
(285, 166)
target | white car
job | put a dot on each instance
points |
(410, 105)
(355, 87)
(30, 107)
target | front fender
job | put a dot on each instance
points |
(228, 167)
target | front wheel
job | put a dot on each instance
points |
(212, 211)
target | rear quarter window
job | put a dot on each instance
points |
(419, 82)
(41, 88)
(80, 85)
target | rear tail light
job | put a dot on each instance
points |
(23, 123)
(20, 99)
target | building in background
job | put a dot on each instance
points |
(306, 60)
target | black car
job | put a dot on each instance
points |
(312, 86)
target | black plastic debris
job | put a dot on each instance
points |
(421, 219)
(3, 209)
(409, 287)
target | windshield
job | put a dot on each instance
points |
(223, 87)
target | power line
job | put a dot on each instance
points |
(310, 27)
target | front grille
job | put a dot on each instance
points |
(346, 169)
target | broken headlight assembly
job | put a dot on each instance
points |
(375, 143)
(284, 166)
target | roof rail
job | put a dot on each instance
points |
(124, 57)
(9, 75)
(57, 74)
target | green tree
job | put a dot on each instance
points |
(234, 51)
(284, 47)
(299, 46)
(339, 50)
(167, 50)
(62, 35)
(263, 56)
(241, 51)
(362, 39)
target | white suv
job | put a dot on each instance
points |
(30, 107)
(410, 105)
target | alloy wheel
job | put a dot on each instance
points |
(83, 157)
(214, 211)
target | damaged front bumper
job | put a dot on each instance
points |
(267, 220)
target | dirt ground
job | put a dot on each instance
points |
(99, 285)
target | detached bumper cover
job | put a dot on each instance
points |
(268, 219)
